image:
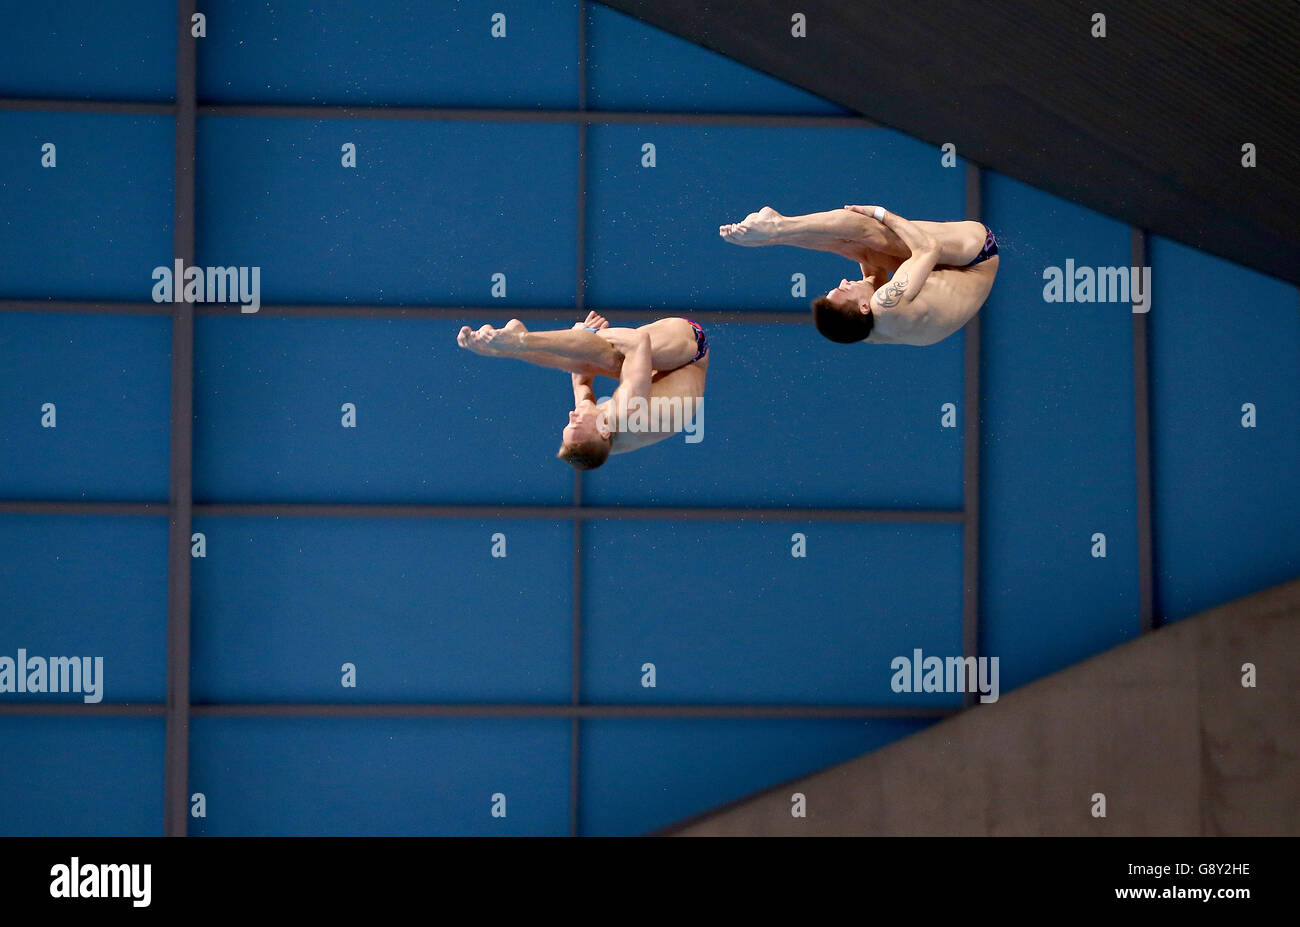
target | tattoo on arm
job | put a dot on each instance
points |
(893, 292)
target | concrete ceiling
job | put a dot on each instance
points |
(1145, 125)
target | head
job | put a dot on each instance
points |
(586, 440)
(844, 314)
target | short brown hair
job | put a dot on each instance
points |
(588, 455)
(843, 325)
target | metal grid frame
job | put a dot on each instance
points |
(180, 509)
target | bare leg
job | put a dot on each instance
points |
(958, 242)
(853, 235)
(569, 365)
(839, 231)
(573, 350)
(672, 343)
(881, 266)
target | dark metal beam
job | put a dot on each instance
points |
(85, 307)
(587, 117)
(342, 710)
(703, 316)
(1142, 430)
(546, 512)
(970, 535)
(112, 107)
(439, 114)
(575, 712)
(176, 776)
(564, 315)
(580, 300)
(23, 507)
(82, 710)
(584, 513)
(575, 683)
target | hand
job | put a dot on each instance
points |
(592, 321)
(757, 228)
(864, 210)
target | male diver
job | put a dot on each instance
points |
(921, 281)
(660, 368)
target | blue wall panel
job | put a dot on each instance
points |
(380, 777)
(109, 380)
(420, 608)
(653, 231)
(435, 423)
(90, 49)
(391, 52)
(96, 224)
(87, 586)
(431, 211)
(1227, 503)
(792, 419)
(1057, 443)
(632, 66)
(81, 777)
(727, 615)
(639, 776)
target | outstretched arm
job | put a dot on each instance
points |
(912, 273)
(839, 231)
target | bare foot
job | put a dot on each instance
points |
(758, 228)
(493, 342)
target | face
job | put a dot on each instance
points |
(851, 294)
(584, 423)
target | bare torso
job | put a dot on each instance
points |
(683, 383)
(950, 298)
(676, 388)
